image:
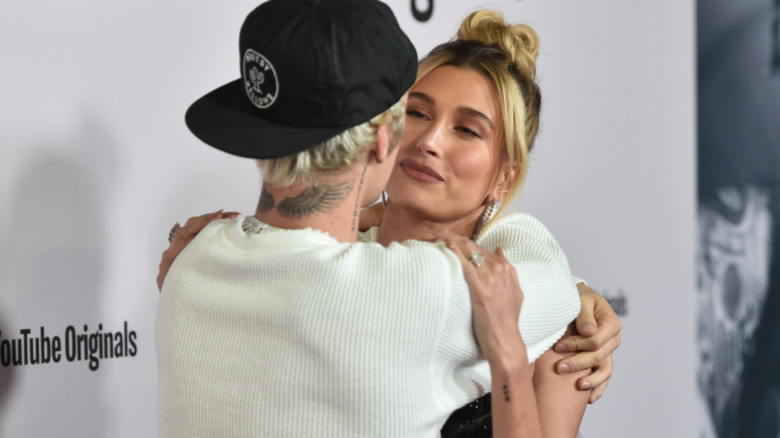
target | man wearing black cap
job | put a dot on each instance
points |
(317, 79)
(280, 325)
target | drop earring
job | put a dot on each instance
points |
(484, 218)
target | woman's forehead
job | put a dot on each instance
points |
(454, 86)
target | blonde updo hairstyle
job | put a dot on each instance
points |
(506, 54)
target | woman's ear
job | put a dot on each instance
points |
(506, 179)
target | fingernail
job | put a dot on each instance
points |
(585, 385)
(561, 348)
(563, 368)
(589, 327)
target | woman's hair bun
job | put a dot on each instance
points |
(519, 41)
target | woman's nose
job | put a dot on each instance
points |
(429, 141)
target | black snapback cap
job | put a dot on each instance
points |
(310, 69)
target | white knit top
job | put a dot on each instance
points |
(294, 334)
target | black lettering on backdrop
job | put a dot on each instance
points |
(618, 302)
(24, 333)
(70, 343)
(31, 349)
(5, 352)
(56, 346)
(422, 15)
(132, 350)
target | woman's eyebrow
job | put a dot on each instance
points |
(466, 110)
(474, 113)
(422, 96)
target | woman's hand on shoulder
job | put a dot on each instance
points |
(496, 300)
(184, 236)
(598, 335)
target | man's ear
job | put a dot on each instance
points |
(505, 180)
(380, 151)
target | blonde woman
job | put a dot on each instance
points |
(472, 118)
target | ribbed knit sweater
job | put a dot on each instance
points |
(294, 334)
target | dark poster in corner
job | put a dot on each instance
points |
(738, 260)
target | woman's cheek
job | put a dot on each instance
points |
(472, 165)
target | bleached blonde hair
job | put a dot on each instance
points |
(337, 153)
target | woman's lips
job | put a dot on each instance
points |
(420, 172)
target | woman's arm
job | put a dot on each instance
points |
(524, 239)
(184, 236)
(560, 402)
(513, 400)
(496, 299)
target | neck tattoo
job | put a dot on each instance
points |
(356, 211)
(266, 202)
(322, 198)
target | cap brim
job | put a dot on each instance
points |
(226, 119)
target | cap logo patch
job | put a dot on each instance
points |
(260, 81)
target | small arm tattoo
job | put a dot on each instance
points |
(506, 393)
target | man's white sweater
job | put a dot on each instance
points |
(292, 334)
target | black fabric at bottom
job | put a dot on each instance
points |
(471, 421)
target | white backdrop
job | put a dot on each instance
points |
(96, 164)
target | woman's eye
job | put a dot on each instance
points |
(416, 114)
(468, 131)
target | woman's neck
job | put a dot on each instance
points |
(399, 225)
